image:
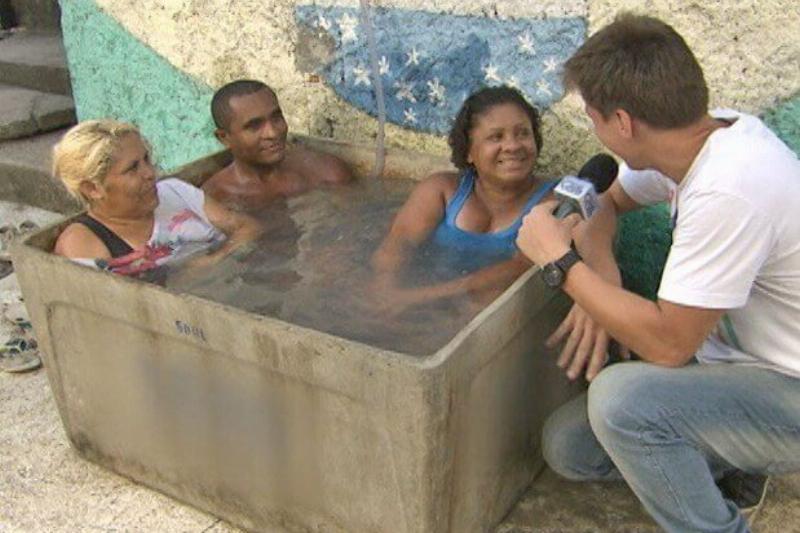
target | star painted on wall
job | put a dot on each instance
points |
(513, 82)
(543, 87)
(347, 24)
(491, 75)
(383, 66)
(426, 78)
(436, 91)
(526, 44)
(362, 76)
(550, 64)
(405, 91)
(412, 57)
(323, 23)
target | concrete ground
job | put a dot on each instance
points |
(46, 486)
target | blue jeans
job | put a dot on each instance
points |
(669, 432)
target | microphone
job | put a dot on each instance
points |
(578, 194)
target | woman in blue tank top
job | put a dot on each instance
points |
(471, 217)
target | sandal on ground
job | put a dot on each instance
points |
(19, 351)
(9, 233)
(15, 361)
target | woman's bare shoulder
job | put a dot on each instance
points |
(78, 241)
(445, 181)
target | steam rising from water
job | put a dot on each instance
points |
(312, 268)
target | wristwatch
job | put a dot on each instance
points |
(555, 273)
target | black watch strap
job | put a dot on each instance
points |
(555, 273)
(568, 260)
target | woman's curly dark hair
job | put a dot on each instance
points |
(476, 105)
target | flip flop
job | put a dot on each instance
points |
(19, 355)
(9, 233)
(18, 348)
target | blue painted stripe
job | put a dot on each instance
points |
(432, 62)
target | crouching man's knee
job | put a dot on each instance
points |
(569, 447)
(623, 400)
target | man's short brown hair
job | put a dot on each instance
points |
(221, 101)
(642, 65)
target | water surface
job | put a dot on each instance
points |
(312, 268)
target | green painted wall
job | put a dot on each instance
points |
(115, 75)
(785, 121)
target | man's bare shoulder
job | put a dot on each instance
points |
(219, 180)
(318, 167)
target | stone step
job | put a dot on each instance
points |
(25, 112)
(38, 14)
(36, 61)
(25, 174)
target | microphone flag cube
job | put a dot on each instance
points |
(577, 196)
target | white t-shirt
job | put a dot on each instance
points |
(736, 242)
(181, 229)
(181, 222)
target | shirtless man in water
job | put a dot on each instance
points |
(251, 125)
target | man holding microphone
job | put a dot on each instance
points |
(729, 297)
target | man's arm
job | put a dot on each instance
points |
(584, 343)
(619, 200)
(414, 223)
(493, 278)
(660, 332)
(239, 227)
(594, 238)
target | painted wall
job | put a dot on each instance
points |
(157, 63)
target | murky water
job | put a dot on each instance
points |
(312, 268)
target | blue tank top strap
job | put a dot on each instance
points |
(537, 197)
(465, 185)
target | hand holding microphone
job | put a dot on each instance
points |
(545, 239)
(578, 194)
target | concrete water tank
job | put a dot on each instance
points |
(274, 426)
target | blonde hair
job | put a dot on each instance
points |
(87, 152)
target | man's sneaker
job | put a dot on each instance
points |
(747, 491)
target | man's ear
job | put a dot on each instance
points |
(222, 136)
(624, 123)
(92, 190)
